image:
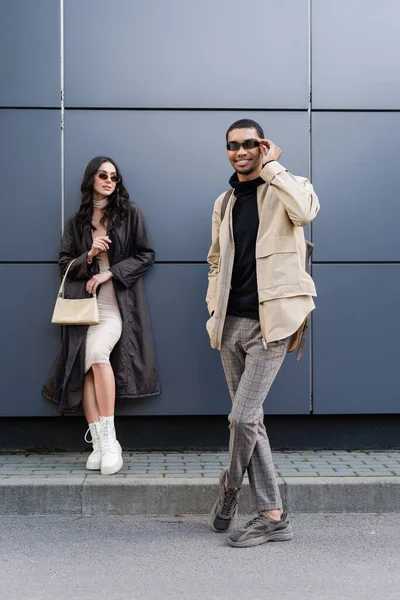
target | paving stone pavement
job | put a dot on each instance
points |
(385, 463)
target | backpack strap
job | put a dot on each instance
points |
(225, 203)
(309, 251)
(301, 334)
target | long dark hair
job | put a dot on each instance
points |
(117, 206)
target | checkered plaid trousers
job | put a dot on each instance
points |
(250, 370)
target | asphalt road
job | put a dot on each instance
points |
(334, 557)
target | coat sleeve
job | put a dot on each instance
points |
(68, 251)
(296, 193)
(127, 271)
(213, 257)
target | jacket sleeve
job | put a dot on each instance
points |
(68, 251)
(127, 271)
(213, 257)
(296, 193)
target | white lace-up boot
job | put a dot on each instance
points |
(111, 452)
(93, 462)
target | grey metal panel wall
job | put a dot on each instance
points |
(186, 54)
(30, 47)
(174, 164)
(356, 332)
(356, 48)
(31, 187)
(358, 186)
(178, 55)
(190, 372)
(28, 341)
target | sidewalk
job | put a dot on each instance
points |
(172, 483)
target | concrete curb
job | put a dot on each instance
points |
(344, 495)
(158, 496)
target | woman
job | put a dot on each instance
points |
(109, 241)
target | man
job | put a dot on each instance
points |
(259, 298)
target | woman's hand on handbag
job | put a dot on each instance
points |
(100, 244)
(96, 280)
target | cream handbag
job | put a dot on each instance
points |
(83, 311)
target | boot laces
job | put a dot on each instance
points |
(229, 502)
(259, 517)
(86, 437)
(107, 435)
(94, 438)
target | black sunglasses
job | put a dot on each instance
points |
(103, 175)
(246, 145)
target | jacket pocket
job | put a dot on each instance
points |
(277, 262)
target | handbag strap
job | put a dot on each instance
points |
(61, 290)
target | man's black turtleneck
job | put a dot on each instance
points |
(243, 298)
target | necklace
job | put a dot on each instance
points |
(100, 203)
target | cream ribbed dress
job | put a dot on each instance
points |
(101, 338)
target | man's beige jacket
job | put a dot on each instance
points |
(285, 204)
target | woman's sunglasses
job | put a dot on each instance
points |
(246, 145)
(103, 175)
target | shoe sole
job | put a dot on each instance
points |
(276, 536)
(113, 470)
(94, 467)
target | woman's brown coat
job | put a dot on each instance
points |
(132, 359)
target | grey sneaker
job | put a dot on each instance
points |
(224, 510)
(260, 530)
